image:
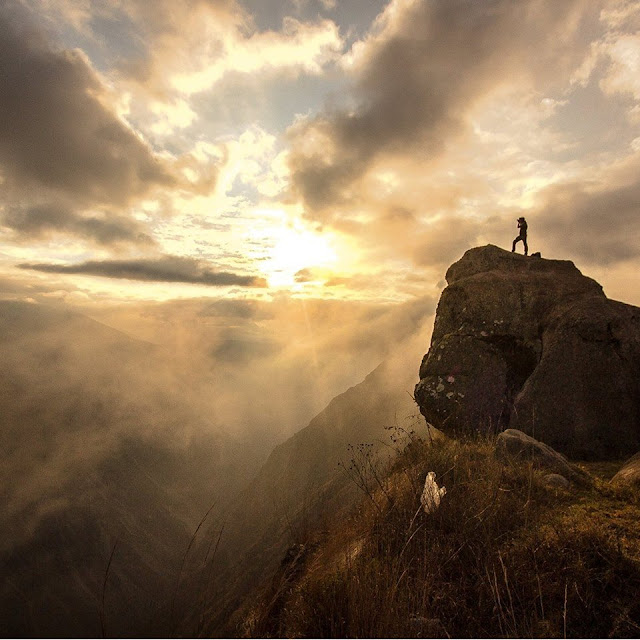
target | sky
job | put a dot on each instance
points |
(331, 149)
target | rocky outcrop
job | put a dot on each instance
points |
(513, 444)
(630, 472)
(533, 344)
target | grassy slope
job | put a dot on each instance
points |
(504, 555)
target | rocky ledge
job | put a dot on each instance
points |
(532, 344)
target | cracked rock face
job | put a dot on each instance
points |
(533, 344)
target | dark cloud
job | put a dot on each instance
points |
(599, 226)
(163, 269)
(354, 17)
(440, 243)
(419, 78)
(37, 221)
(164, 16)
(55, 130)
(238, 348)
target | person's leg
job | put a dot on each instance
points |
(513, 246)
(526, 246)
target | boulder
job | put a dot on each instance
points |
(556, 480)
(534, 345)
(630, 472)
(514, 444)
(584, 395)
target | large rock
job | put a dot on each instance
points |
(630, 472)
(517, 445)
(534, 345)
(584, 395)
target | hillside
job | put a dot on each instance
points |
(304, 484)
(506, 554)
(93, 465)
(524, 542)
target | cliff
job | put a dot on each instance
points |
(532, 344)
(305, 481)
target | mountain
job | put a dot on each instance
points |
(112, 455)
(309, 480)
(532, 344)
(106, 462)
(510, 547)
(111, 458)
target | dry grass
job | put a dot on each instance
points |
(503, 556)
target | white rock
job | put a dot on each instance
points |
(432, 493)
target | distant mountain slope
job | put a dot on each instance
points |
(305, 479)
(310, 458)
(107, 449)
(100, 447)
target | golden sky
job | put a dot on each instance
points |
(314, 148)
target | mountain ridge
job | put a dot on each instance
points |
(509, 549)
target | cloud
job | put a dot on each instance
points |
(237, 347)
(355, 282)
(56, 130)
(299, 47)
(418, 75)
(445, 240)
(235, 308)
(192, 48)
(311, 348)
(169, 37)
(306, 275)
(164, 17)
(615, 58)
(40, 220)
(596, 222)
(205, 375)
(163, 269)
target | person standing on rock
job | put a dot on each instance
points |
(522, 226)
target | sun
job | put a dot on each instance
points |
(297, 248)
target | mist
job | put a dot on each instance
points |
(271, 366)
(122, 425)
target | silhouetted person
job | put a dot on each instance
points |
(522, 225)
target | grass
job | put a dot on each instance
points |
(503, 556)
